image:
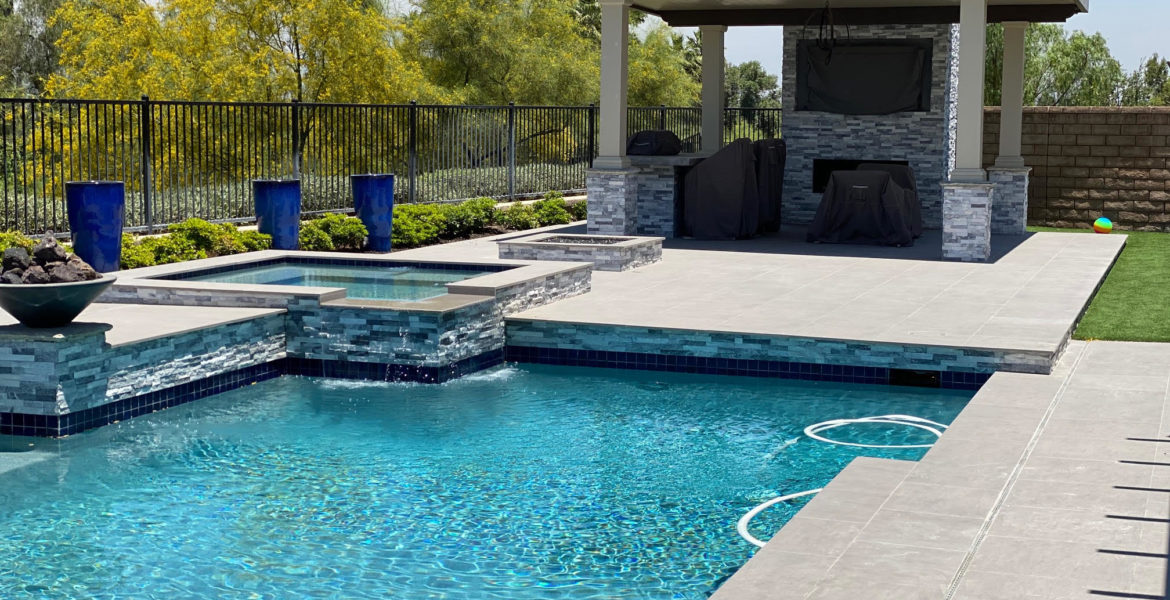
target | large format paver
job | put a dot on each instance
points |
(1049, 487)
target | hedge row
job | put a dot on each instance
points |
(414, 225)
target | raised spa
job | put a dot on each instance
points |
(368, 280)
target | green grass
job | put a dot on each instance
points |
(1134, 302)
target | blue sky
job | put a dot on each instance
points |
(1134, 29)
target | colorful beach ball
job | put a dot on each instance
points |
(1103, 225)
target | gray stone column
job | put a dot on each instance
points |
(967, 221)
(1009, 212)
(613, 201)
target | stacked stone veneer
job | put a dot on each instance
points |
(924, 139)
(613, 202)
(525, 334)
(48, 374)
(1009, 211)
(339, 332)
(967, 211)
(74, 372)
(148, 292)
(655, 200)
(605, 257)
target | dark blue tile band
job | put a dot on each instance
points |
(730, 366)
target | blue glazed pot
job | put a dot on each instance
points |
(278, 210)
(373, 200)
(96, 210)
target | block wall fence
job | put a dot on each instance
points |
(1089, 162)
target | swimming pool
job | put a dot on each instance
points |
(523, 483)
(380, 282)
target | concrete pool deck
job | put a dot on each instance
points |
(1024, 303)
(1048, 487)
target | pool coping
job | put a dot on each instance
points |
(928, 515)
(132, 284)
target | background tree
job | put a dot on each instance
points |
(1060, 69)
(500, 51)
(1148, 85)
(258, 50)
(28, 52)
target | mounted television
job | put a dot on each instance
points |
(865, 77)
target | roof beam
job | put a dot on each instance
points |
(906, 15)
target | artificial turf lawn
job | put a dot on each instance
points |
(1134, 302)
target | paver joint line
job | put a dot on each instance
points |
(1017, 470)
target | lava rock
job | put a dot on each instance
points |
(16, 258)
(83, 267)
(49, 251)
(35, 274)
(65, 273)
(11, 277)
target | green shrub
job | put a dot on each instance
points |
(214, 240)
(254, 240)
(579, 210)
(417, 225)
(160, 250)
(345, 232)
(312, 237)
(9, 239)
(552, 211)
(554, 195)
(467, 218)
(518, 217)
(135, 255)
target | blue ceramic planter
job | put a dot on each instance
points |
(373, 200)
(96, 210)
(278, 210)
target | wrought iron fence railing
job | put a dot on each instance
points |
(196, 159)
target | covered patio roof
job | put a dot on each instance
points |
(684, 13)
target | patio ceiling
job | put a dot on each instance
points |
(683, 13)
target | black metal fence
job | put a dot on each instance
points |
(196, 159)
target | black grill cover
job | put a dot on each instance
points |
(904, 177)
(720, 194)
(862, 207)
(770, 157)
(653, 143)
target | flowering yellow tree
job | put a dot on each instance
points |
(234, 50)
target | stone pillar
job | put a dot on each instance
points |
(967, 221)
(1011, 125)
(712, 87)
(972, 47)
(615, 18)
(1009, 212)
(613, 201)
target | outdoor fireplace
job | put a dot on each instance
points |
(821, 142)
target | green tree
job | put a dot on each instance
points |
(500, 51)
(748, 85)
(1060, 69)
(28, 52)
(658, 71)
(1148, 85)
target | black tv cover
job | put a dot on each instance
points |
(864, 77)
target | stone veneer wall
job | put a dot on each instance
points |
(655, 200)
(736, 346)
(1089, 162)
(365, 334)
(967, 209)
(604, 257)
(45, 375)
(146, 294)
(925, 139)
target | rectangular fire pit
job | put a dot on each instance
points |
(606, 252)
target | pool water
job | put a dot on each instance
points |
(370, 282)
(520, 483)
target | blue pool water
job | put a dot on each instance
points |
(522, 483)
(371, 282)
